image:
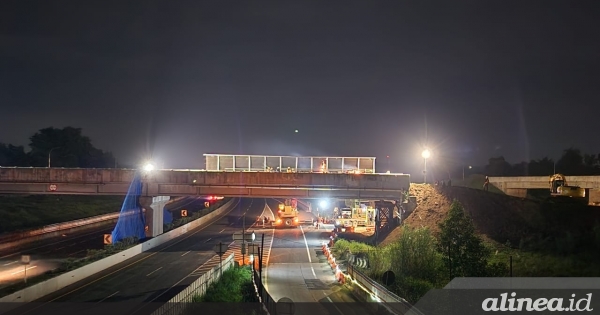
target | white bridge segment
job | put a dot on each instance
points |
(295, 164)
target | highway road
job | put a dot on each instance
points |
(48, 254)
(298, 270)
(151, 277)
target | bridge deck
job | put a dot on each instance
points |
(197, 182)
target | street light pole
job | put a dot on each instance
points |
(49, 154)
(425, 170)
(425, 154)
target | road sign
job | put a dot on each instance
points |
(221, 248)
(52, 187)
(184, 213)
(206, 204)
(249, 237)
(253, 249)
(25, 259)
(107, 239)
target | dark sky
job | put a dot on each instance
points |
(470, 79)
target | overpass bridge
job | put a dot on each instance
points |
(518, 186)
(159, 185)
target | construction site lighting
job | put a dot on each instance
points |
(323, 204)
(148, 167)
(426, 154)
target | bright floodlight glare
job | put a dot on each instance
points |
(426, 154)
(323, 203)
(148, 167)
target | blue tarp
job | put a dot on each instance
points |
(131, 221)
(167, 216)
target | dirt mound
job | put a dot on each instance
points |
(497, 217)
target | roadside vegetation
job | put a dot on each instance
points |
(422, 262)
(235, 286)
(234, 292)
(29, 212)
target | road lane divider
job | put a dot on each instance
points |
(49, 286)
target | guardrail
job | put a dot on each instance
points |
(41, 289)
(179, 303)
(16, 238)
(269, 304)
(395, 302)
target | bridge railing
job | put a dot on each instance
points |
(397, 304)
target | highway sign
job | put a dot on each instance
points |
(107, 239)
(25, 259)
(52, 187)
(249, 237)
(253, 249)
(184, 213)
(221, 248)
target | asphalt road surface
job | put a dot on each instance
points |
(48, 254)
(297, 270)
(154, 276)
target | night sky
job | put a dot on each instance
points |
(470, 79)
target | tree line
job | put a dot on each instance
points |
(572, 162)
(54, 147)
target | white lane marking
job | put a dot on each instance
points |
(159, 268)
(200, 228)
(313, 271)
(222, 231)
(185, 253)
(210, 238)
(10, 263)
(14, 273)
(107, 297)
(306, 243)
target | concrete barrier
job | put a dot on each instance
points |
(19, 238)
(41, 289)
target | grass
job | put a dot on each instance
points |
(29, 212)
(475, 181)
(235, 286)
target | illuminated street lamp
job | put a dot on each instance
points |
(148, 167)
(425, 154)
(470, 167)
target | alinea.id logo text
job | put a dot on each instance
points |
(512, 304)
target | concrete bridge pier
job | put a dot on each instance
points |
(153, 212)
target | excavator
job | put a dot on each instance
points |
(560, 190)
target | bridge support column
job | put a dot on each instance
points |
(594, 196)
(516, 192)
(154, 214)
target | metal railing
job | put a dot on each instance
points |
(382, 293)
(292, 164)
(179, 303)
(58, 227)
